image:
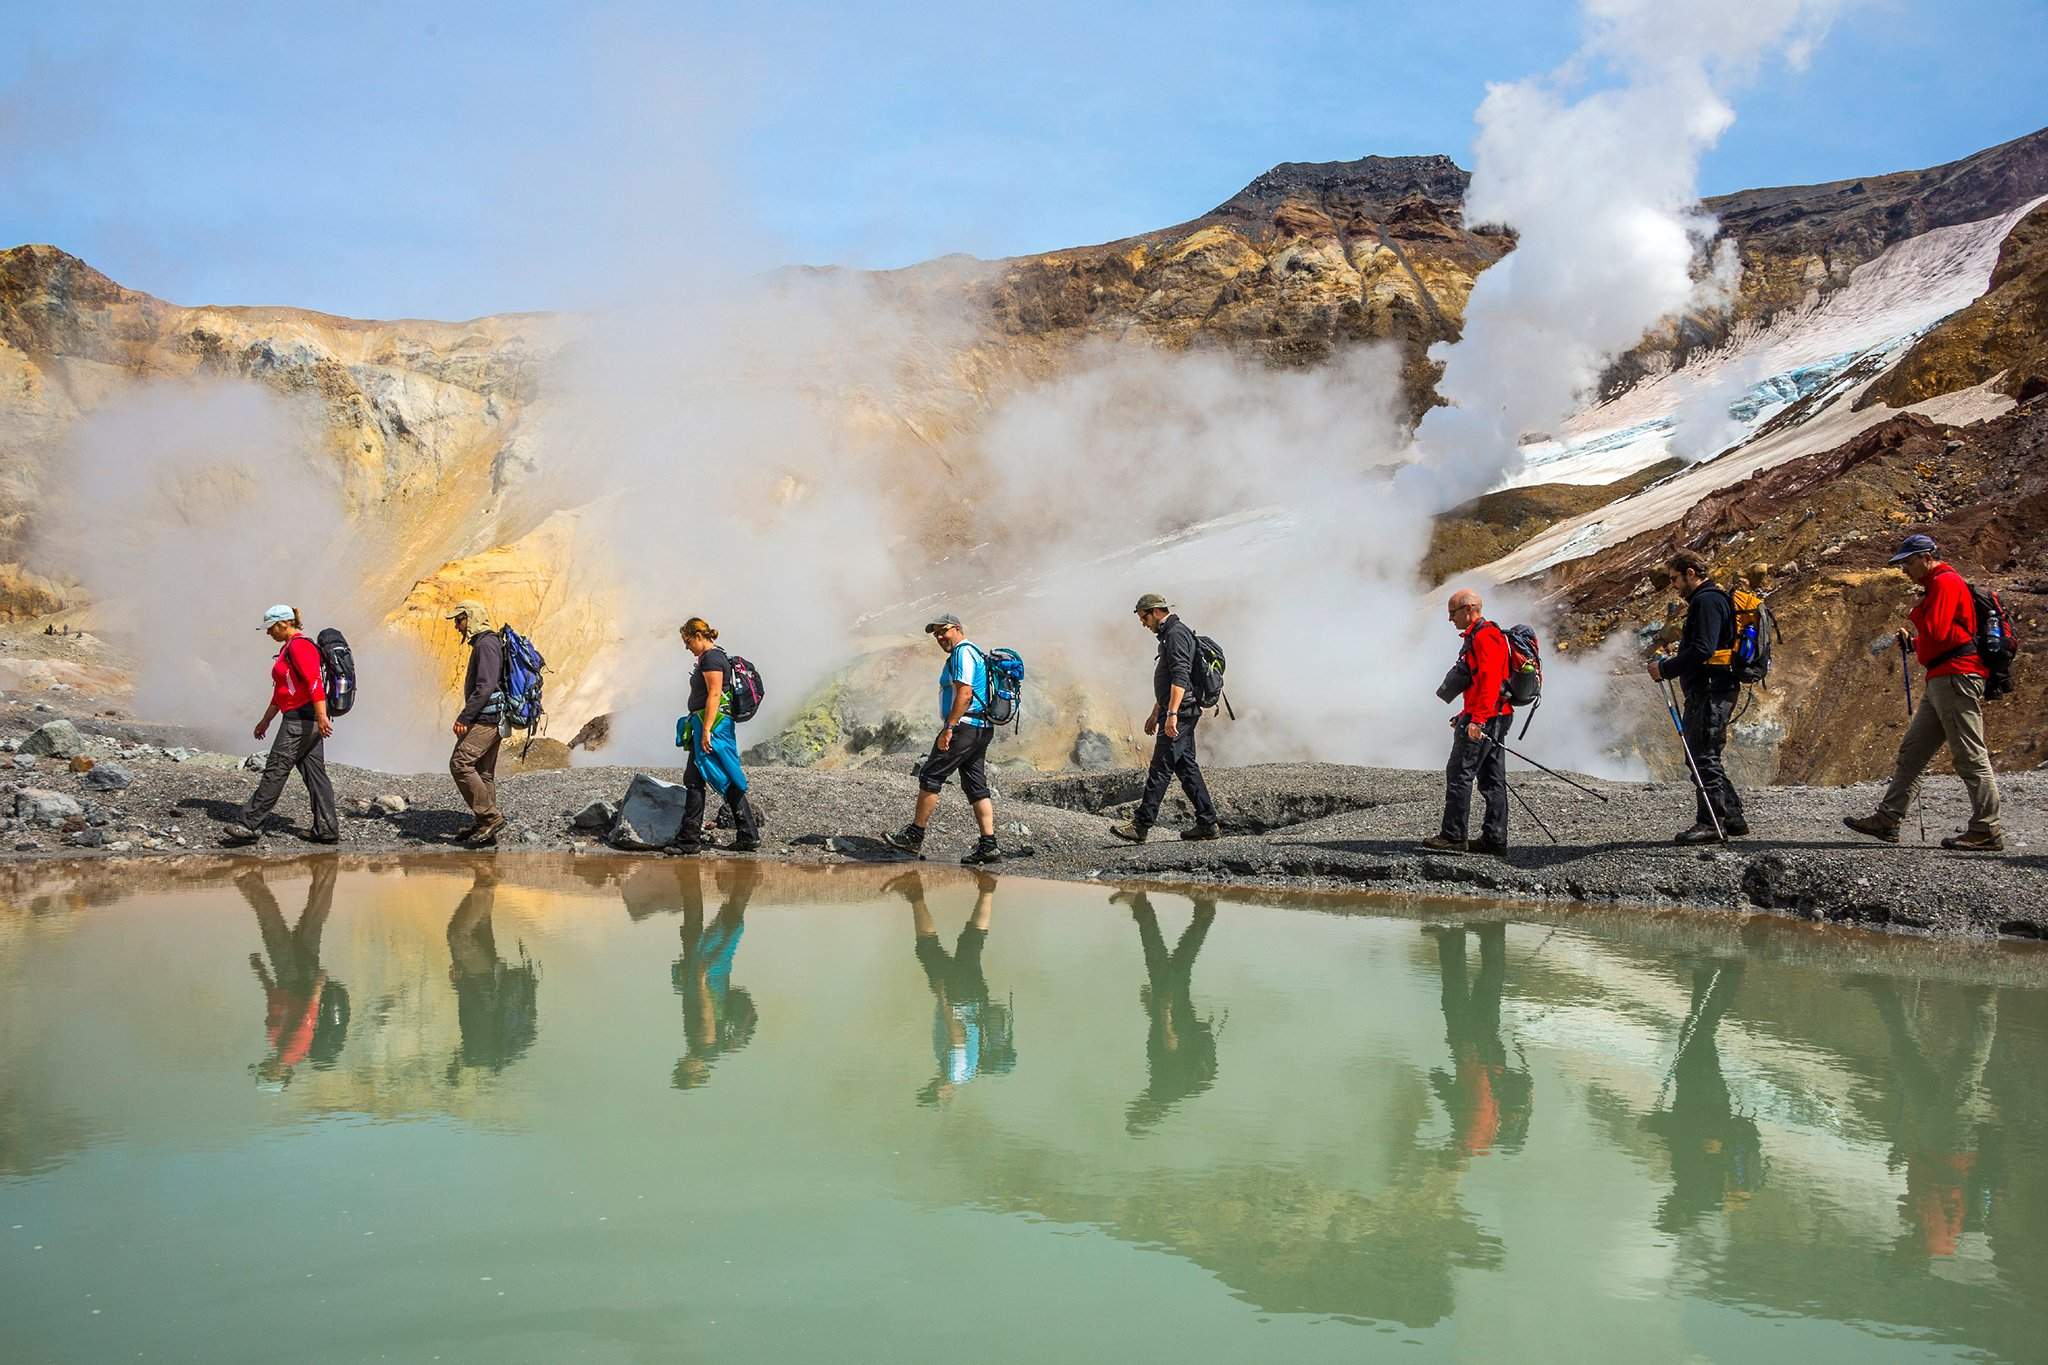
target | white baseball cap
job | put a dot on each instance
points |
(278, 613)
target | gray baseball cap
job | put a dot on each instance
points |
(941, 621)
(1152, 601)
(1913, 545)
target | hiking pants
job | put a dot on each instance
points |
(1951, 711)
(719, 770)
(1708, 710)
(967, 754)
(474, 766)
(1173, 758)
(298, 746)
(1485, 761)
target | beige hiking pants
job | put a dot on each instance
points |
(474, 766)
(1951, 712)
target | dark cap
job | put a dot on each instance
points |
(941, 621)
(1152, 601)
(1913, 545)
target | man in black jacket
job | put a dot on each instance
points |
(1704, 666)
(474, 764)
(1174, 714)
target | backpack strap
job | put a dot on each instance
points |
(293, 664)
(988, 683)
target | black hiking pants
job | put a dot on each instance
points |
(694, 789)
(1708, 710)
(1483, 761)
(1173, 758)
(298, 746)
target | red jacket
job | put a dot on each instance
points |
(295, 676)
(1486, 654)
(1946, 618)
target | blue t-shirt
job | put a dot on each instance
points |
(964, 665)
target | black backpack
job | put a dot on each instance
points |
(1996, 644)
(743, 690)
(337, 671)
(1208, 674)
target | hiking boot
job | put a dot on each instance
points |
(238, 836)
(985, 850)
(1735, 828)
(323, 838)
(1131, 832)
(747, 843)
(1440, 843)
(1876, 826)
(1493, 846)
(466, 832)
(1698, 834)
(909, 839)
(1975, 843)
(1203, 829)
(486, 832)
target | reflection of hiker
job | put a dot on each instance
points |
(1175, 712)
(1951, 710)
(962, 745)
(1489, 1102)
(1716, 1153)
(1480, 679)
(1704, 664)
(1180, 1046)
(474, 764)
(706, 735)
(304, 1014)
(971, 1034)
(718, 1017)
(1936, 1115)
(298, 701)
(496, 1004)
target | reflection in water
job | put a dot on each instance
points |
(1937, 1120)
(1488, 1101)
(718, 1017)
(972, 1035)
(1180, 1046)
(496, 1004)
(304, 1013)
(1716, 1153)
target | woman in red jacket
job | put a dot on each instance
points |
(298, 694)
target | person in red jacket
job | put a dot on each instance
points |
(298, 694)
(1477, 734)
(1951, 710)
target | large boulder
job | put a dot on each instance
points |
(109, 777)
(34, 803)
(58, 739)
(1093, 751)
(650, 816)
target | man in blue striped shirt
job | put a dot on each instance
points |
(961, 746)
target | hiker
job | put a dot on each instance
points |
(496, 1003)
(1174, 714)
(1488, 1099)
(1716, 1150)
(305, 1014)
(474, 764)
(971, 1031)
(1944, 639)
(706, 734)
(1180, 1045)
(299, 697)
(1704, 666)
(1479, 680)
(962, 744)
(718, 1017)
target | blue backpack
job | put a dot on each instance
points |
(1005, 686)
(522, 686)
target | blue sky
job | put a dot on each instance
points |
(455, 159)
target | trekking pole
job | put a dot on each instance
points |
(1692, 765)
(1906, 676)
(1517, 795)
(1553, 772)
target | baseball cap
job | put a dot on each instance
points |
(1913, 545)
(1151, 601)
(941, 621)
(280, 612)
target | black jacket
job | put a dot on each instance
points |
(486, 675)
(1709, 628)
(1175, 666)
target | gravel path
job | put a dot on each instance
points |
(1287, 825)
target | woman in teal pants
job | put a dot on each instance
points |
(706, 733)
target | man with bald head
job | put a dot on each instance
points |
(1480, 681)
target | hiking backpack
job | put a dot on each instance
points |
(1996, 643)
(1524, 685)
(1208, 675)
(1755, 627)
(522, 684)
(1005, 685)
(337, 671)
(743, 690)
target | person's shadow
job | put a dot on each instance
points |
(718, 1017)
(305, 1014)
(497, 1003)
(1180, 1045)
